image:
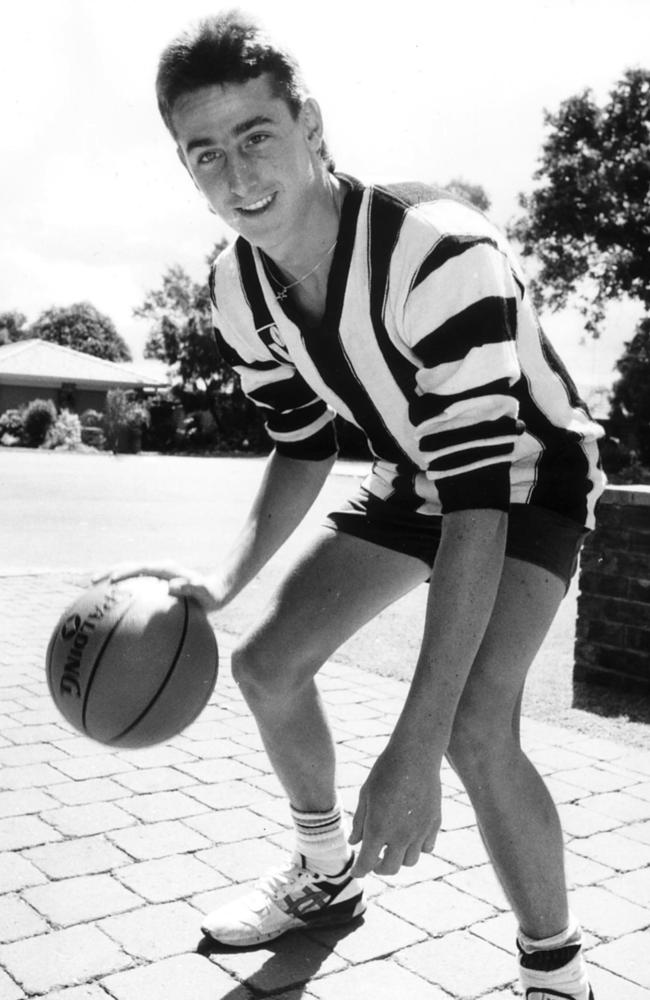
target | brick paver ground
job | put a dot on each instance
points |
(109, 858)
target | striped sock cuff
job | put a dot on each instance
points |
(317, 827)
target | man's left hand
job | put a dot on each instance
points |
(398, 815)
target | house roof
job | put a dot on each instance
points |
(39, 362)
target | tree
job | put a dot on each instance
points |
(12, 326)
(83, 328)
(474, 193)
(181, 333)
(630, 412)
(588, 223)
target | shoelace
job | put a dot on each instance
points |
(278, 878)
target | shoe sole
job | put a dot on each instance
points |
(299, 925)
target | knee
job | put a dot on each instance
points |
(261, 674)
(480, 748)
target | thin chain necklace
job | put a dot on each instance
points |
(285, 289)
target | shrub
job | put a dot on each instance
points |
(65, 432)
(92, 418)
(94, 437)
(39, 417)
(11, 424)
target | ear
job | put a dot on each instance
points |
(312, 120)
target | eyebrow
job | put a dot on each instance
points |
(237, 130)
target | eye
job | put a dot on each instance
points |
(257, 139)
(207, 157)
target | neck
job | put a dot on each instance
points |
(317, 236)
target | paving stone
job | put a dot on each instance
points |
(376, 935)
(30, 776)
(156, 932)
(641, 791)
(24, 734)
(594, 746)
(597, 779)
(619, 805)
(241, 866)
(638, 831)
(215, 771)
(158, 840)
(83, 856)
(379, 980)
(549, 759)
(500, 931)
(480, 882)
(9, 990)
(634, 886)
(428, 868)
(157, 756)
(96, 766)
(607, 985)
(227, 794)
(232, 825)
(159, 806)
(16, 873)
(82, 821)
(78, 900)
(186, 977)
(18, 920)
(461, 847)
(61, 958)
(18, 832)
(34, 753)
(626, 957)
(292, 959)
(612, 849)
(435, 907)
(584, 871)
(461, 963)
(25, 801)
(606, 914)
(154, 779)
(75, 793)
(580, 822)
(169, 878)
(456, 815)
(88, 992)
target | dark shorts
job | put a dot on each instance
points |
(535, 534)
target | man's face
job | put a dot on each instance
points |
(253, 161)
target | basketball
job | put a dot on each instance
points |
(131, 666)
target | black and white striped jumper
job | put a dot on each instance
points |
(431, 345)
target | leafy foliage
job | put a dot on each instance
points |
(82, 327)
(588, 223)
(12, 326)
(181, 333)
(65, 432)
(39, 417)
(630, 413)
(474, 193)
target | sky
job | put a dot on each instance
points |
(95, 206)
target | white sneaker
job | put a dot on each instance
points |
(284, 900)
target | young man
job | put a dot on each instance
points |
(404, 311)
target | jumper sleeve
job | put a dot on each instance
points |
(299, 423)
(460, 321)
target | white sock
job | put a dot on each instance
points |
(554, 963)
(321, 838)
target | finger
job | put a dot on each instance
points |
(358, 821)
(412, 856)
(368, 859)
(131, 570)
(391, 861)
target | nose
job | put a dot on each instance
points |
(240, 175)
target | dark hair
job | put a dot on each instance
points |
(230, 47)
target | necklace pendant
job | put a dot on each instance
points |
(281, 296)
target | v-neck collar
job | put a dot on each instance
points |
(337, 278)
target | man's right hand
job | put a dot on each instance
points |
(205, 590)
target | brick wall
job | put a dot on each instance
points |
(613, 627)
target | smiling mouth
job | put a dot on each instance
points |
(257, 207)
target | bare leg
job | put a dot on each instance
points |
(515, 812)
(339, 584)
